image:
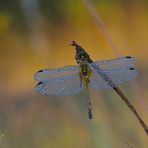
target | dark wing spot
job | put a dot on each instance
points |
(40, 83)
(40, 71)
(131, 68)
(128, 57)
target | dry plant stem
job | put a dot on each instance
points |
(129, 146)
(120, 93)
(100, 24)
(132, 108)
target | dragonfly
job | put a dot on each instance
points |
(86, 75)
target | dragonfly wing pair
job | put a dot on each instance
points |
(118, 71)
(66, 81)
(61, 81)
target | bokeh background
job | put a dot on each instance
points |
(35, 34)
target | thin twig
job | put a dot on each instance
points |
(129, 146)
(102, 27)
(132, 108)
(117, 90)
(100, 24)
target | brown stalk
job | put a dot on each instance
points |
(100, 24)
(116, 89)
(132, 108)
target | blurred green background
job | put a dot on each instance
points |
(35, 34)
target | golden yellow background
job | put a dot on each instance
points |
(35, 34)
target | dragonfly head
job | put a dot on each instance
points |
(81, 54)
(73, 43)
(77, 47)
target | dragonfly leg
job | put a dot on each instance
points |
(81, 77)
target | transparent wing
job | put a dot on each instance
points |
(67, 85)
(48, 74)
(116, 75)
(122, 62)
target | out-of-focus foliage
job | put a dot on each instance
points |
(35, 34)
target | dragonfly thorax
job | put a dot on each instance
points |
(81, 56)
(85, 73)
(85, 69)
